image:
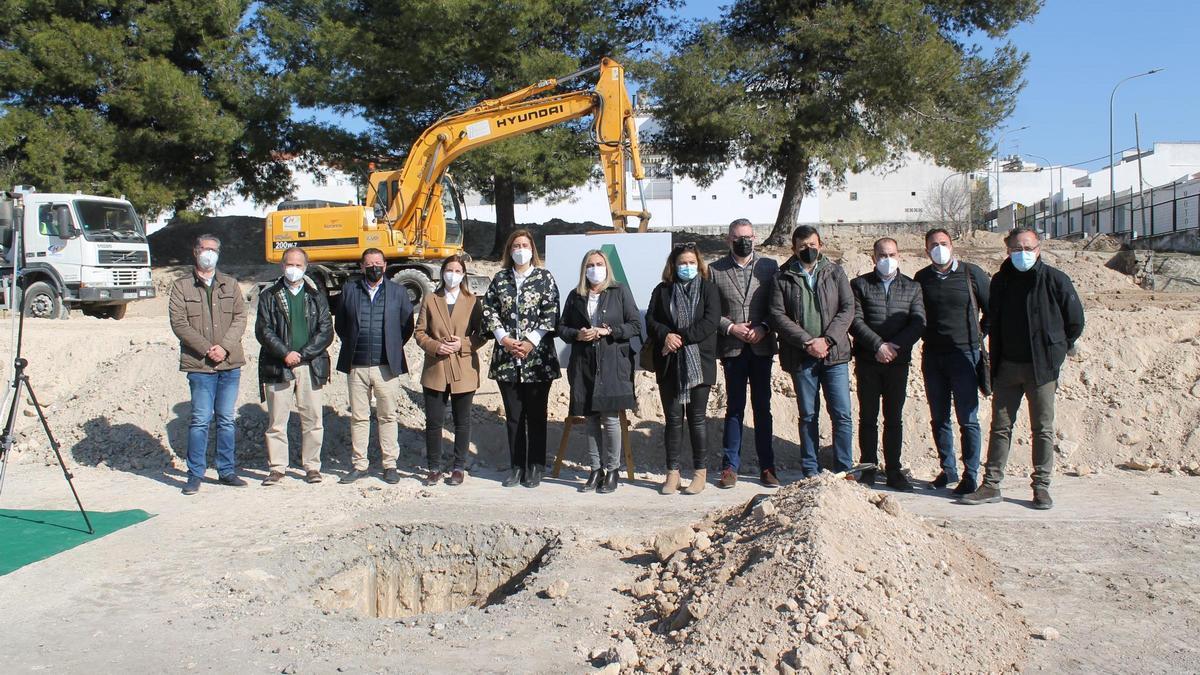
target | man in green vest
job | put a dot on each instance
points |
(295, 330)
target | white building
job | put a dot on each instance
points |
(1060, 199)
(673, 202)
(900, 195)
(1080, 201)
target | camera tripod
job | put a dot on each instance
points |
(21, 381)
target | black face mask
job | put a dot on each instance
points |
(373, 273)
(743, 246)
(809, 256)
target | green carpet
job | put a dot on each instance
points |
(30, 536)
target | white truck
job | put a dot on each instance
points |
(83, 252)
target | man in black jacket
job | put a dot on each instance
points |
(295, 330)
(889, 318)
(373, 321)
(812, 307)
(1036, 319)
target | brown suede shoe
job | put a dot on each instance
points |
(433, 478)
(273, 479)
(728, 478)
(671, 484)
(456, 477)
(768, 478)
(312, 476)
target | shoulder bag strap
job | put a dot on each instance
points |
(972, 311)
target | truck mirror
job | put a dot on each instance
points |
(62, 218)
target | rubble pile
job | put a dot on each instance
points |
(824, 576)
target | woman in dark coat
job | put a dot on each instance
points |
(682, 322)
(598, 320)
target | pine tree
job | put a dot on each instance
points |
(163, 101)
(801, 93)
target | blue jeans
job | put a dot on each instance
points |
(754, 369)
(810, 380)
(213, 395)
(951, 375)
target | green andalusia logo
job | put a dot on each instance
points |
(614, 260)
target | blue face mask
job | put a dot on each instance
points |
(687, 272)
(1023, 260)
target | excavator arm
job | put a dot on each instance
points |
(407, 198)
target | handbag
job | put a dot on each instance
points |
(983, 367)
(646, 356)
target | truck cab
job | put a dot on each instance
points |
(83, 252)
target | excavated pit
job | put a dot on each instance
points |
(407, 570)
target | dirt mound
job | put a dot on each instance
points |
(823, 576)
(241, 240)
(479, 235)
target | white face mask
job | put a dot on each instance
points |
(940, 254)
(207, 259)
(886, 267)
(596, 275)
(452, 279)
(522, 256)
(293, 274)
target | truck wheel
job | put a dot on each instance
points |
(417, 283)
(41, 301)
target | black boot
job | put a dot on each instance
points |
(610, 482)
(534, 476)
(514, 477)
(594, 479)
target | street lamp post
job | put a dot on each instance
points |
(966, 186)
(1112, 181)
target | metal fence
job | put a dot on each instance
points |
(1157, 211)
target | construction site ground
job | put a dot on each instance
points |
(263, 579)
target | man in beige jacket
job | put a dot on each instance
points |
(208, 315)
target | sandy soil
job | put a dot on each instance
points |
(239, 579)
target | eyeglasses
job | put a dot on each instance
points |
(685, 246)
(1018, 249)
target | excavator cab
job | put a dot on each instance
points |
(454, 211)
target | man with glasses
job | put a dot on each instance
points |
(1036, 317)
(746, 349)
(208, 315)
(812, 308)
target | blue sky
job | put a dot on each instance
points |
(1079, 49)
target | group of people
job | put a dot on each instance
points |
(741, 310)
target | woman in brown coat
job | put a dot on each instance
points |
(448, 331)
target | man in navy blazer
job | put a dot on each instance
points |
(373, 321)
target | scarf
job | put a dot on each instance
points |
(685, 297)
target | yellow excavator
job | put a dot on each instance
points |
(415, 215)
